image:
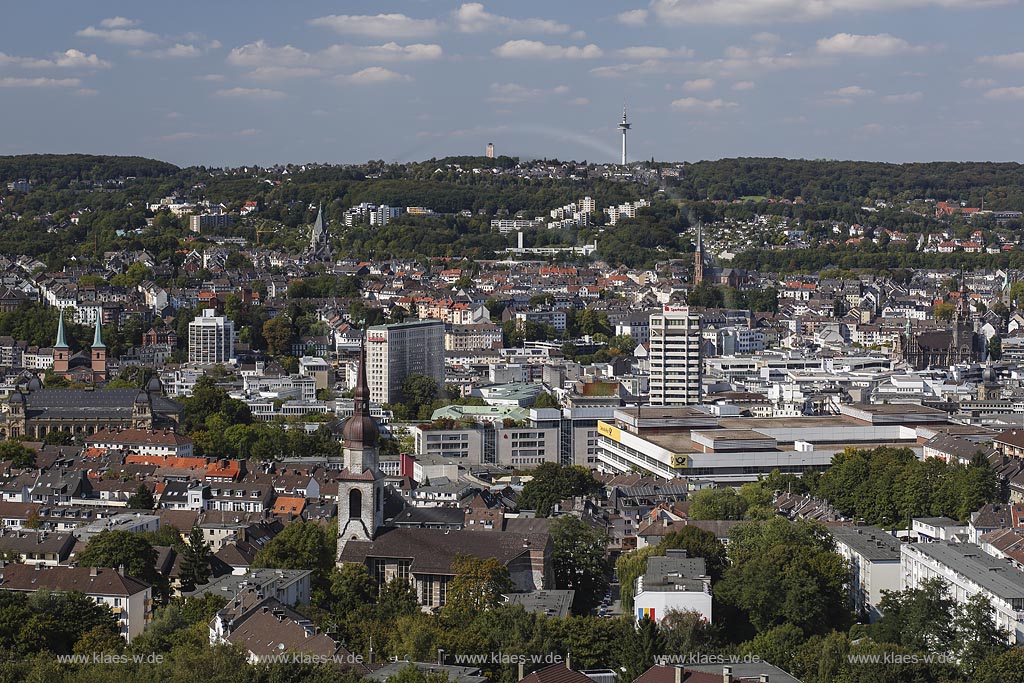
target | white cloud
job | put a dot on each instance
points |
(69, 59)
(851, 91)
(260, 54)
(510, 93)
(977, 83)
(87, 92)
(118, 22)
(210, 78)
(178, 51)
(743, 85)
(372, 75)
(1013, 60)
(650, 66)
(651, 52)
(39, 82)
(765, 37)
(388, 52)
(1011, 93)
(579, 102)
(250, 94)
(880, 45)
(904, 98)
(736, 12)
(699, 85)
(533, 49)
(694, 104)
(471, 17)
(247, 132)
(379, 25)
(633, 17)
(135, 37)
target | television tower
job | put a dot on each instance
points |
(624, 126)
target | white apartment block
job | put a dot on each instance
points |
(396, 351)
(675, 356)
(968, 570)
(211, 338)
(874, 558)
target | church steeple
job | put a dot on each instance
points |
(97, 337)
(361, 484)
(99, 352)
(360, 433)
(61, 351)
(61, 341)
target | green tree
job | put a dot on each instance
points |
(552, 483)
(142, 499)
(785, 573)
(1004, 667)
(122, 549)
(278, 333)
(478, 585)
(978, 636)
(641, 648)
(351, 588)
(995, 347)
(546, 400)
(58, 438)
(419, 390)
(922, 619)
(717, 503)
(580, 561)
(195, 561)
(21, 457)
(301, 545)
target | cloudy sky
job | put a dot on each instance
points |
(230, 82)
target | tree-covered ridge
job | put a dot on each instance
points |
(45, 168)
(844, 181)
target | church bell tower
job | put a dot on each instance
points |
(361, 484)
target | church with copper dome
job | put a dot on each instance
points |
(361, 483)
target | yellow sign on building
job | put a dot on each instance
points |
(605, 429)
(680, 461)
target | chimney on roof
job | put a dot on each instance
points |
(678, 674)
(726, 674)
(93, 571)
(763, 678)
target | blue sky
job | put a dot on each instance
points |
(228, 82)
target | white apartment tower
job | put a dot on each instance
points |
(675, 356)
(396, 351)
(211, 338)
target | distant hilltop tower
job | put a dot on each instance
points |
(490, 150)
(624, 125)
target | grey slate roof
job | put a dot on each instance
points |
(872, 543)
(98, 404)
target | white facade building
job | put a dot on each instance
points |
(211, 338)
(675, 356)
(874, 558)
(968, 571)
(396, 351)
(673, 583)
